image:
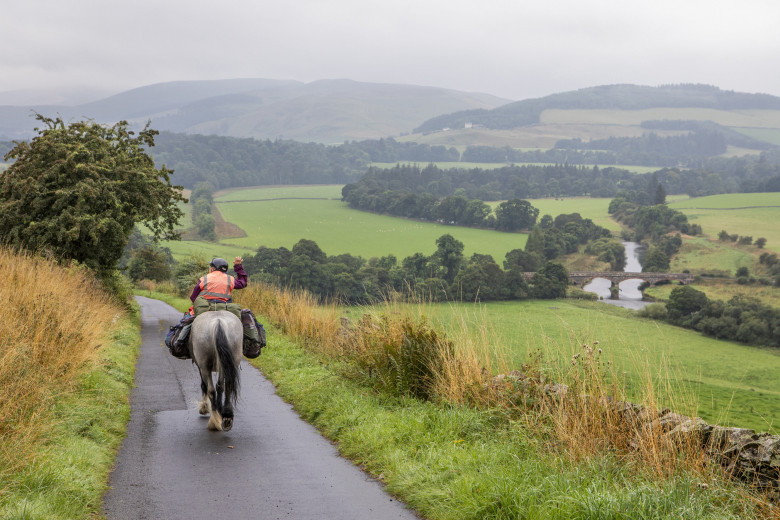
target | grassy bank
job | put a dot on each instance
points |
(66, 368)
(721, 381)
(453, 458)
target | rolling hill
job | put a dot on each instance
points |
(601, 112)
(325, 111)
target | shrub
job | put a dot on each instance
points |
(579, 294)
(654, 311)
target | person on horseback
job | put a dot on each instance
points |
(214, 290)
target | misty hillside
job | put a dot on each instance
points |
(607, 97)
(325, 111)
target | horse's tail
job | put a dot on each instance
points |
(228, 364)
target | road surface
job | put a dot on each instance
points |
(271, 465)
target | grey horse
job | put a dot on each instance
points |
(216, 342)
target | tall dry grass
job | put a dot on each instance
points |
(387, 345)
(583, 409)
(589, 412)
(52, 323)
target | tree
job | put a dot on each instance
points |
(551, 281)
(204, 224)
(760, 242)
(523, 260)
(655, 261)
(515, 214)
(684, 301)
(78, 190)
(448, 255)
(149, 263)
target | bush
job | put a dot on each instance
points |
(118, 286)
(576, 293)
(654, 311)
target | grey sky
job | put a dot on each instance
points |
(509, 48)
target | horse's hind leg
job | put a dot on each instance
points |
(226, 408)
(215, 420)
(203, 408)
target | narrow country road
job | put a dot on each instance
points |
(271, 465)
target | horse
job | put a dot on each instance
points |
(216, 342)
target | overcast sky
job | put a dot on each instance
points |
(510, 48)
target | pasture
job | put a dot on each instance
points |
(587, 124)
(732, 383)
(731, 118)
(751, 214)
(708, 255)
(280, 217)
(722, 382)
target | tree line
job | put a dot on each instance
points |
(446, 275)
(742, 318)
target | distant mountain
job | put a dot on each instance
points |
(615, 97)
(325, 111)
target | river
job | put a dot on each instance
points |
(630, 295)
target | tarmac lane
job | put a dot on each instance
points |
(271, 465)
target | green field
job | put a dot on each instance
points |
(769, 135)
(704, 255)
(730, 118)
(732, 383)
(751, 214)
(280, 217)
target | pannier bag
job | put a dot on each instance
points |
(254, 334)
(178, 337)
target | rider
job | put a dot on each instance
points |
(213, 290)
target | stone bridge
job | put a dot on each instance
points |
(581, 278)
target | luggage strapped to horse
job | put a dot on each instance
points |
(178, 336)
(177, 339)
(254, 334)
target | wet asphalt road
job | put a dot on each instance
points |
(271, 465)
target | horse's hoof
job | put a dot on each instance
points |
(227, 423)
(214, 425)
(203, 410)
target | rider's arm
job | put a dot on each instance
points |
(241, 277)
(195, 293)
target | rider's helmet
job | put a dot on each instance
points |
(220, 264)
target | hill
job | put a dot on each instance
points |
(601, 112)
(325, 111)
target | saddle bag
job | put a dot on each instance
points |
(254, 334)
(177, 339)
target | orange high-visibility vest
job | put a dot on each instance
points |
(217, 286)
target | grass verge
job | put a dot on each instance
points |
(455, 442)
(66, 470)
(458, 462)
